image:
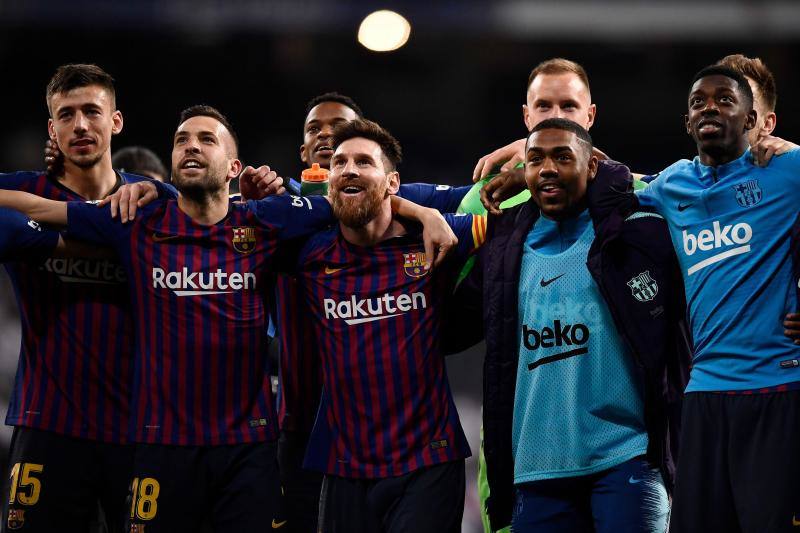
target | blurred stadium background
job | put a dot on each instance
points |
(450, 95)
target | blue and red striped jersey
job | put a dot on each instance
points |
(386, 406)
(200, 312)
(24, 239)
(75, 362)
(299, 368)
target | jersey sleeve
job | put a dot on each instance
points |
(165, 191)
(15, 180)
(789, 162)
(22, 238)
(470, 231)
(293, 216)
(443, 198)
(88, 222)
(650, 196)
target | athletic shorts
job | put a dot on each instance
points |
(428, 500)
(177, 489)
(739, 468)
(57, 483)
(301, 487)
(628, 498)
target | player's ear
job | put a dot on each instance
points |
(688, 126)
(116, 122)
(235, 169)
(51, 131)
(394, 182)
(592, 113)
(526, 118)
(750, 122)
(770, 121)
(592, 167)
(303, 156)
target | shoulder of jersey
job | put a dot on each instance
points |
(22, 175)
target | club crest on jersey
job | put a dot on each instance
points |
(244, 240)
(414, 264)
(16, 518)
(748, 193)
(643, 287)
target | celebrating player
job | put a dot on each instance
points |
(387, 435)
(70, 402)
(582, 363)
(730, 222)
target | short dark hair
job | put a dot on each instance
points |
(138, 160)
(719, 70)
(77, 75)
(367, 129)
(559, 65)
(202, 110)
(334, 97)
(566, 125)
(756, 70)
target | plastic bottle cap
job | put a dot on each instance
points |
(315, 173)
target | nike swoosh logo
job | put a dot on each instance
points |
(633, 481)
(329, 270)
(162, 238)
(545, 283)
(278, 525)
(682, 207)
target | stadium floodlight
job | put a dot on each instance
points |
(384, 31)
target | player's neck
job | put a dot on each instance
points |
(92, 183)
(723, 155)
(206, 210)
(378, 229)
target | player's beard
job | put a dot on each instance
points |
(356, 212)
(87, 161)
(201, 188)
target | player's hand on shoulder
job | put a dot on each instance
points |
(438, 237)
(769, 146)
(505, 185)
(129, 197)
(792, 325)
(509, 156)
(258, 183)
(53, 158)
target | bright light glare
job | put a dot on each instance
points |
(384, 31)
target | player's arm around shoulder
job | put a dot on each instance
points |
(292, 216)
(35, 207)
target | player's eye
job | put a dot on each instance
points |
(542, 106)
(726, 99)
(363, 162)
(568, 107)
(563, 158)
(535, 160)
(312, 130)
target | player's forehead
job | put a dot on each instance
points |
(330, 111)
(558, 87)
(715, 83)
(201, 124)
(82, 96)
(553, 140)
(358, 146)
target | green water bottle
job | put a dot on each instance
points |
(314, 180)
